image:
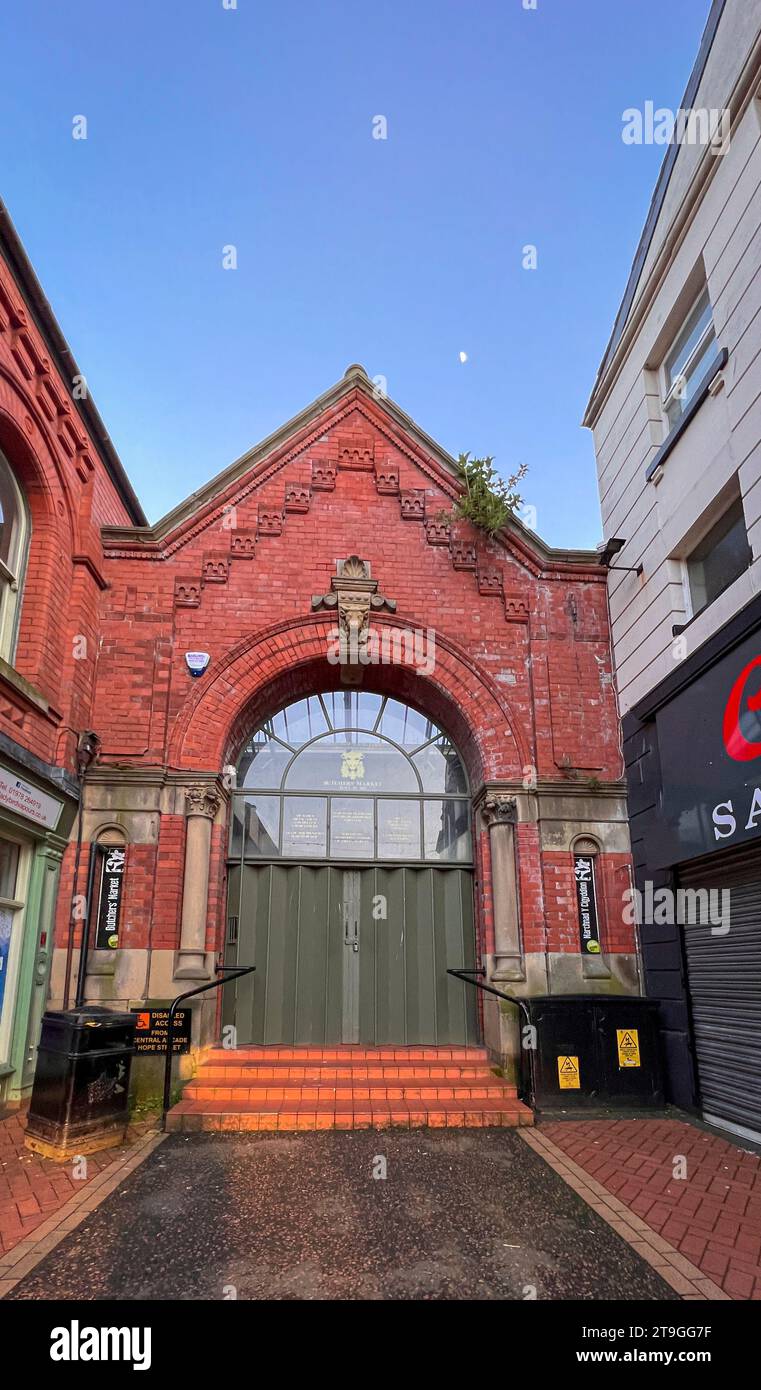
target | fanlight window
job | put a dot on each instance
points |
(351, 776)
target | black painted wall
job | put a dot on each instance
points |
(662, 947)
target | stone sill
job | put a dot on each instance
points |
(29, 693)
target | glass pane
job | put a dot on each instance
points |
(236, 825)
(352, 709)
(7, 915)
(266, 767)
(9, 517)
(305, 826)
(688, 339)
(720, 558)
(255, 825)
(440, 768)
(9, 853)
(447, 830)
(352, 833)
(398, 829)
(691, 380)
(299, 722)
(346, 762)
(405, 726)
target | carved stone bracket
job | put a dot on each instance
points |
(353, 594)
(500, 810)
(243, 544)
(215, 569)
(202, 801)
(187, 593)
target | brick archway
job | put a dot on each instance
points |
(288, 660)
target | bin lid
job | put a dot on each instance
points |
(635, 1000)
(90, 1016)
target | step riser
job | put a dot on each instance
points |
(223, 1076)
(282, 1120)
(347, 1055)
(326, 1093)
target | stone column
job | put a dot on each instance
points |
(201, 806)
(500, 814)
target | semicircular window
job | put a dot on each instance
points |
(351, 776)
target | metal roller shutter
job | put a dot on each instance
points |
(724, 975)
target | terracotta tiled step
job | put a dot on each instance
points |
(348, 1054)
(224, 1073)
(245, 1088)
(346, 1088)
(244, 1115)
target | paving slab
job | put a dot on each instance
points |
(35, 1190)
(697, 1192)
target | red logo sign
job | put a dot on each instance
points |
(737, 745)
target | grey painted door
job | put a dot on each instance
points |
(350, 955)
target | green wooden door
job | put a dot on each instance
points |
(350, 955)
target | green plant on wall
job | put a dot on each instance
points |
(488, 499)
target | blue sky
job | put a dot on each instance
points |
(253, 127)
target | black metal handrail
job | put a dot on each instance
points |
(467, 976)
(232, 972)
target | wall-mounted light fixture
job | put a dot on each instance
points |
(88, 748)
(607, 552)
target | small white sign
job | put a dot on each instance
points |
(26, 800)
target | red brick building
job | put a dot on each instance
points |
(60, 482)
(401, 757)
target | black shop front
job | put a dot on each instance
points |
(693, 758)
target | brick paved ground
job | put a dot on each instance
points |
(33, 1188)
(713, 1216)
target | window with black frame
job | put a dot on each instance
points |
(351, 776)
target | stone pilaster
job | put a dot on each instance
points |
(500, 814)
(201, 806)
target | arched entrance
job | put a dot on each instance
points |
(350, 877)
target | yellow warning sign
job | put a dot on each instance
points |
(568, 1073)
(628, 1047)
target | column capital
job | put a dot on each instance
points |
(202, 801)
(500, 810)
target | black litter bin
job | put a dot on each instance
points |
(594, 1050)
(81, 1084)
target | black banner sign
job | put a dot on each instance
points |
(110, 901)
(152, 1030)
(709, 742)
(586, 898)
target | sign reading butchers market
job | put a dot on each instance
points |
(709, 740)
(110, 900)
